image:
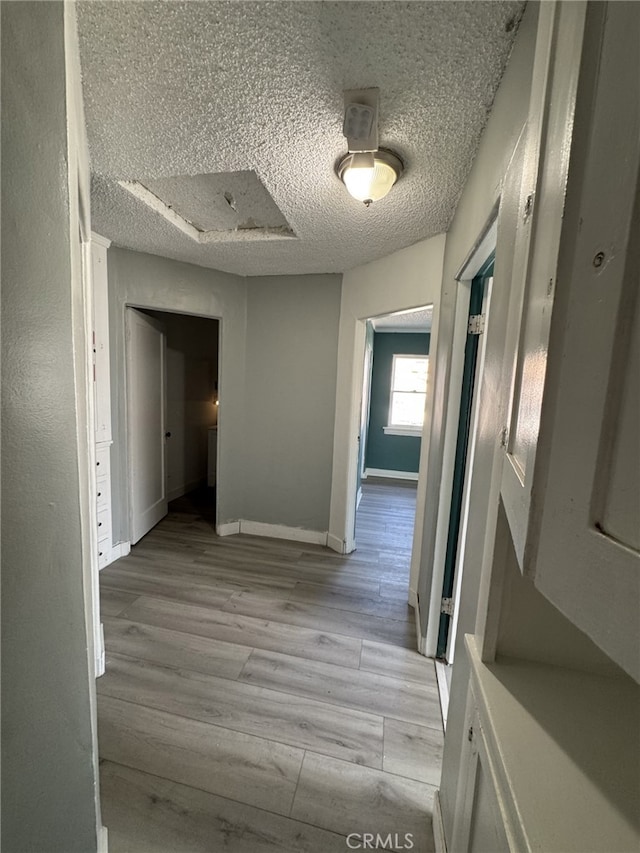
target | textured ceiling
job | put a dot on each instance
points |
(200, 88)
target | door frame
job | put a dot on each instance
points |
(148, 306)
(431, 586)
(465, 442)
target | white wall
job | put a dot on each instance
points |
(406, 279)
(483, 188)
(148, 281)
(291, 362)
(48, 759)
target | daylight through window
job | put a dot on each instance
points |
(408, 392)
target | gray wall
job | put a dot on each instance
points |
(48, 786)
(292, 338)
(149, 281)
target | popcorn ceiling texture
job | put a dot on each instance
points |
(189, 88)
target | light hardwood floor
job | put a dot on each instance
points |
(263, 695)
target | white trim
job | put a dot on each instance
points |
(101, 658)
(101, 241)
(103, 840)
(443, 690)
(414, 432)
(482, 248)
(438, 825)
(120, 550)
(336, 544)
(228, 528)
(412, 599)
(280, 531)
(359, 496)
(393, 475)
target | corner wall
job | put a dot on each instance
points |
(49, 796)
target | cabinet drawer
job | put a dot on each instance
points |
(104, 553)
(103, 496)
(104, 525)
(103, 461)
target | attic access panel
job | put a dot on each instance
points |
(224, 205)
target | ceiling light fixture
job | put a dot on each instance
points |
(367, 171)
(368, 177)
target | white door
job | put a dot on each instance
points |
(146, 346)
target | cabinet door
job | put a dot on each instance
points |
(479, 822)
(542, 203)
(588, 560)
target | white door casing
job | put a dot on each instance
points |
(146, 401)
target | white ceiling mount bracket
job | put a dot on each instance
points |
(361, 119)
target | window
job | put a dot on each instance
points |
(408, 394)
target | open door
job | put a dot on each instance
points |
(146, 353)
(478, 303)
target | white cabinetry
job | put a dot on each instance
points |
(550, 758)
(537, 777)
(102, 395)
(571, 478)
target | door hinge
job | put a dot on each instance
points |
(504, 437)
(446, 606)
(476, 324)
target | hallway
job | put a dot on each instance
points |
(264, 695)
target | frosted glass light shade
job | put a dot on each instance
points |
(369, 177)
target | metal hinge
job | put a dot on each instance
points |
(476, 324)
(504, 437)
(446, 606)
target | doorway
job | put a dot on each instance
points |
(465, 444)
(173, 444)
(394, 385)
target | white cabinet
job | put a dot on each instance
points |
(571, 478)
(538, 772)
(102, 398)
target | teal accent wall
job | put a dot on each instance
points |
(391, 452)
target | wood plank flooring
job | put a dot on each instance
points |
(264, 695)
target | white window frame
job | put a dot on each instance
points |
(395, 429)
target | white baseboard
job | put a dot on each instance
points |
(229, 528)
(335, 543)
(280, 531)
(120, 549)
(438, 826)
(443, 691)
(359, 497)
(393, 475)
(413, 598)
(103, 840)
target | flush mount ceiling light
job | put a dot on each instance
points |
(367, 171)
(369, 176)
